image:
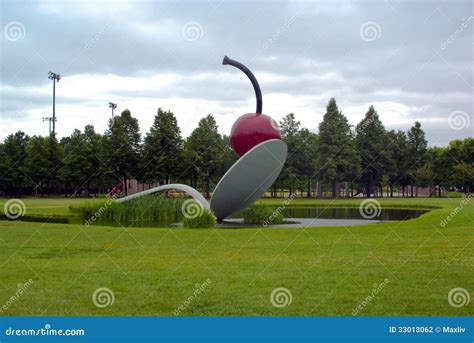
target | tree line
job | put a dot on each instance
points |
(339, 160)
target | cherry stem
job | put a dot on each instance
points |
(256, 87)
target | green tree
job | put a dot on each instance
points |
(4, 162)
(122, 146)
(55, 157)
(37, 165)
(336, 159)
(94, 141)
(307, 143)
(460, 154)
(397, 173)
(424, 176)
(463, 176)
(163, 149)
(289, 129)
(416, 151)
(77, 169)
(439, 164)
(204, 149)
(107, 172)
(371, 143)
(14, 148)
(228, 156)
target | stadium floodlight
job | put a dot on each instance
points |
(55, 77)
(112, 106)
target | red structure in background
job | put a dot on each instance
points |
(117, 188)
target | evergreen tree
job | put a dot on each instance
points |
(397, 171)
(15, 148)
(78, 168)
(4, 163)
(307, 143)
(123, 146)
(416, 152)
(55, 157)
(205, 151)
(336, 159)
(440, 164)
(94, 142)
(289, 129)
(107, 171)
(416, 142)
(37, 164)
(371, 143)
(96, 162)
(163, 149)
(228, 156)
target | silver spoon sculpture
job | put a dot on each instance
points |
(256, 138)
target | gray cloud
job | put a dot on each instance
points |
(422, 58)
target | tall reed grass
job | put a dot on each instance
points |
(149, 210)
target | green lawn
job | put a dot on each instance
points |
(329, 271)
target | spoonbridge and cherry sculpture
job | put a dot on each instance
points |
(255, 137)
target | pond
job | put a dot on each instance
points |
(300, 217)
(295, 217)
(351, 213)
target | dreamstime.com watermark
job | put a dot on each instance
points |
(98, 36)
(459, 120)
(192, 31)
(199, 288)
(46, 331)
(279, 210)
(21, 288)
(103, 297)
(192, 208)
(458, 297)
(465, 200)
(14, 31)
(14, 209)
(97, 214)
(368, 299)
(281, 30)
(370, 31)
(281, 297)
(370, 209)
(463, 27)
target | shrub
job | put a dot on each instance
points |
(262, 215)
(205, 220)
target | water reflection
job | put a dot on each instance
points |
(349, 213)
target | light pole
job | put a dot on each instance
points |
(55, 77)
(112, 106)
(50, 120)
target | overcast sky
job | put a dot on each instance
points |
(412, 59)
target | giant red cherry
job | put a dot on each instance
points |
(251, 128)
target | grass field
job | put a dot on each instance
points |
(153, 271)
